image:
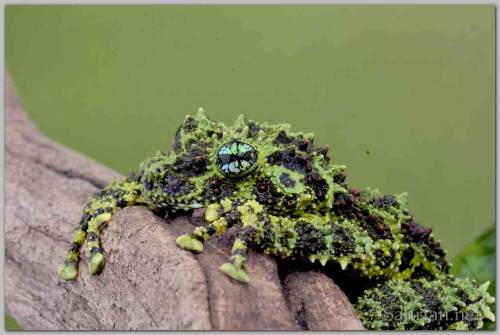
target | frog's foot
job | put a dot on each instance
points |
(216, 225)
(235, 267)
(220, 217)
(68, 271)
(188, 242)
(96, 263)
(235, 272)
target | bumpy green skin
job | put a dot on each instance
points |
(294, 204)
(444, 303)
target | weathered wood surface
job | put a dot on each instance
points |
(148, 282)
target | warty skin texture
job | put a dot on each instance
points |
(290, 201)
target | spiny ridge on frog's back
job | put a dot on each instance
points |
(210, 161)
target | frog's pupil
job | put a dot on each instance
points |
(236, 159)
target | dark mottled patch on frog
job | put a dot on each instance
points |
(218, 188)
(91, 236)
(406, 259)
(384, 202)
(267, 194)
(190, 124)
(176, 185)
(115, 194)
(413, 232)
(267, 234)
(434, 252)
(287, 181)
(343, 242)
(148, 185)
(462, 295)
(376, 227)
(84, 221)
(318, 184)
(217, 131)
(191, 144)
(430, 298)
(290, 202)
(434, 305)
(349, 205)
(194, 164)
(248, 234)
(420, 272)
(291, 160)
(324, 152)
(285, 238)
(340, 179)
(282, 138)
(210, 230)
(384, 260)
(304, 144)
(310, 239)
(391, 307)
(253, 130)
(232, 218)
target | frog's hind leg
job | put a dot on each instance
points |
(97, 212)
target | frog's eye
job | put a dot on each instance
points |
(236, 159)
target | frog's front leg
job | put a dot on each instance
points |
(97, 212)
(235, 267)
(220, 218)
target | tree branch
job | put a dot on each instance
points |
(148, 282)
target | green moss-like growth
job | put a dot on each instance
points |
(443, 303)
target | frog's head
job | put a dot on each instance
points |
(285, 170)
(281, 169)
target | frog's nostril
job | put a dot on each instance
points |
(236, 159)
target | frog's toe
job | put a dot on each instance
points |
(96, 264)
(187, 242)
(67, 272)
(235, 272)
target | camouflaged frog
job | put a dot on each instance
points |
(290, 201)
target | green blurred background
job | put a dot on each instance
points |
(404, 95)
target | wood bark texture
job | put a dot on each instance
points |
(148, 282)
